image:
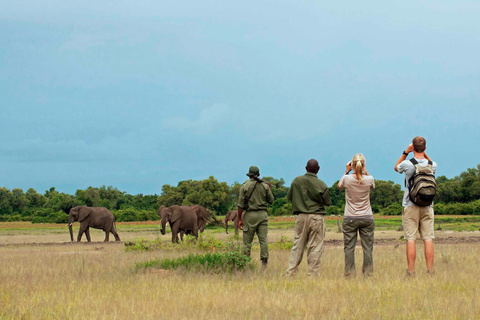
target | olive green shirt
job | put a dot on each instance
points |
(309, 194)
(260, 196)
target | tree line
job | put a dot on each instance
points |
(456, 196)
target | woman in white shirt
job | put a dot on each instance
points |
(358, 216)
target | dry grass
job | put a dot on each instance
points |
(97, 281)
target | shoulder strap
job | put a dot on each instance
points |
(251, 193)
(414, 161)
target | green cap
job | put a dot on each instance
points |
(253, 171)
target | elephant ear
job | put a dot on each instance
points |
(83, 213)
(176, 214)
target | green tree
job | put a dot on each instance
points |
(6, 201)
(35, 200)
(385, 193)
(19, 200)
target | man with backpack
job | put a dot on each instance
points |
(417, 202)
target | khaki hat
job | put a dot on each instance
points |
(253, 171)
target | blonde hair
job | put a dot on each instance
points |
(358, 166)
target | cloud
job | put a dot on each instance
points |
(209, 119)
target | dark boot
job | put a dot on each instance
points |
(264, 262)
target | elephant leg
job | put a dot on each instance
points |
(87, 234)
(181, 235)
(107, 236)
(81, 231)
(115, 234)
(174, 236)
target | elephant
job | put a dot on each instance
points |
(202, 216)
(95, 217)
(232, 216)
(181, 219)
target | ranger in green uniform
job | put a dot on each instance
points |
(252, 199)
(309, 196)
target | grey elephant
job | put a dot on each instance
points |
(202, 216)
(232, 216)
(182, 219)
(95, 217)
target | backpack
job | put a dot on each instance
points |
(422, 185)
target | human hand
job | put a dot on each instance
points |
(240, 224)
(349, 166)
(409, 148)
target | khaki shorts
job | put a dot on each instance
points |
(418, 219)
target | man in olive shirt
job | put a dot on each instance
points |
(309, 196)
(253, 198)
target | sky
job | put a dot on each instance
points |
(138, 94)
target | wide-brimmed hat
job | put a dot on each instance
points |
(253, 171)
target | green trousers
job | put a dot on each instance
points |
(255, 222)
(351, 228)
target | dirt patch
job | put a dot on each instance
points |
(380, 242)
(330, 242)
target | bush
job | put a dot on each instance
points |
(216, 262)
(336, 210)
(131, 214)
(470, 208)
(45, 215)
(394, 209)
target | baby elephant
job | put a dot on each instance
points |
(95, 217)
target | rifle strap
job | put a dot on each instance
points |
(251, 193)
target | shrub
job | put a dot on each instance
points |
(216, 262)
(393, 209)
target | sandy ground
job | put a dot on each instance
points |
(333, 238)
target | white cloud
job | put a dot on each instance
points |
(209, 119)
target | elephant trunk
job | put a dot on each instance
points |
(164, 223)
(70, 228)
(226, 225)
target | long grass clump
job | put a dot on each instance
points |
(216, 262)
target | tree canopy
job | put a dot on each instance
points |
(458, 195)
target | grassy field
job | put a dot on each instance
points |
(43, 276)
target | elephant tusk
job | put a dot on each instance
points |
(70, 224)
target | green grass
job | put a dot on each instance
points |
(207, 262)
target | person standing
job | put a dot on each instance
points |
(309, 196)
(253, 197)
(358, 216)
(417, 218)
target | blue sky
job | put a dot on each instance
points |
(138, 94)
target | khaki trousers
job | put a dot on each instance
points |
(309, 230)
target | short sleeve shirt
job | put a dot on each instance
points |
(409, 169)
(357, 195)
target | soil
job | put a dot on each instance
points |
(330, 243)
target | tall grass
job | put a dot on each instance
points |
(80, 281)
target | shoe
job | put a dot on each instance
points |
(264, 262)
(430, 272)
(410, 274)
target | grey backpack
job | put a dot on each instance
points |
(422, 185)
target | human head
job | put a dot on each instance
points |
(312, 166)
(419, 144)
(253, 171)
(358, 166)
